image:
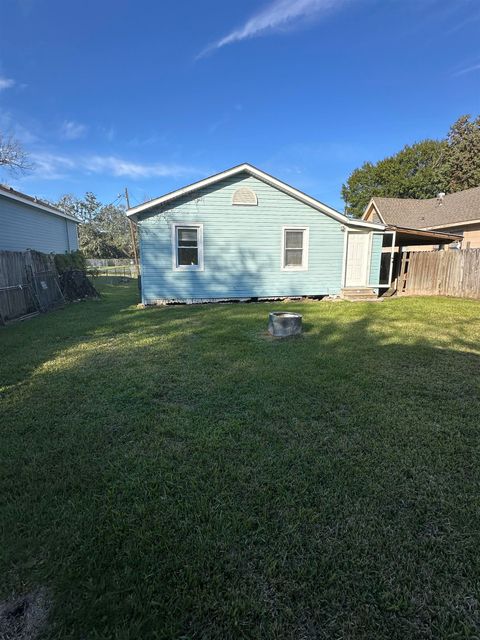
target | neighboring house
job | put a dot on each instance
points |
(455, 213)
(29, 223)
(244, 234)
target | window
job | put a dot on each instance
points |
(295, 249)
(245, 196)
(187, 245)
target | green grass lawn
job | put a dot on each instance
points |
(175, 473)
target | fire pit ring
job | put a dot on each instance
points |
(282, 324)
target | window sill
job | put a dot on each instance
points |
(294, 269)
(188, 268)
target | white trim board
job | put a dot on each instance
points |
(265, 177)
(451, 225)
(305, 247)
(186, 225)
(373, 203)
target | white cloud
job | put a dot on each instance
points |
(278, 14)
(71, 130)
(474, 67)
(51, 166)
(6, 83)
(153, 139)
(115, 166)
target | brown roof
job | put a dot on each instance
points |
(455, 208)
(34, 201)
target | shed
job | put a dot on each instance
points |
(243, 234)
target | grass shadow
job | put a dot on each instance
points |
(171, 473)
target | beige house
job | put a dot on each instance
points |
(455, 213)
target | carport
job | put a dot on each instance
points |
(398, 243)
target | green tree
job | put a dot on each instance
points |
(417, 171)
(113, 222)
(85, 209)
(464, 153)
(97, 244)
(104, 232)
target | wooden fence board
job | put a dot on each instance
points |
(28, 283)
(446, 273)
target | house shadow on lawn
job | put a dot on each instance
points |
(206, 482)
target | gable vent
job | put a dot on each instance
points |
(245, 196)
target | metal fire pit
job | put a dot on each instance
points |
(282, 324)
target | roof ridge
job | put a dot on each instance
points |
(447, 195)
(260, 175)
(9, 191)
(451, 209)
(404, 199)
(456, 193)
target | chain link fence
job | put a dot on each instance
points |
(115, 270)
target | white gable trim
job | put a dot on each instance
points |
(37, 205)
(452, 225)
(373, 203)
(261, 175)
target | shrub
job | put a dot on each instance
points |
(73, 260)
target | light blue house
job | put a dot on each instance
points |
(29, 223)
(243, 234)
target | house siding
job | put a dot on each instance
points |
(242, 246)
(25, 227)
(471, 235)
(372, 215)
(375, 259)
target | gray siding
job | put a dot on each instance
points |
(25, 227)
(242, 246)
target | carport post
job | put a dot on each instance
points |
(390, 269)
(392, 258)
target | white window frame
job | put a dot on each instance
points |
(386, 285)
(305, 247)
(187, 225)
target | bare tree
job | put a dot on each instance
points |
(12, 155)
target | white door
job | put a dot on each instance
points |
(358, 245)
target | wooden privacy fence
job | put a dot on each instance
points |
(29, 284)
(442, 273)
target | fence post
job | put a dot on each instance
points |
(448, 273)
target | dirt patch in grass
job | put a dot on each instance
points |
(239, 485)
(24, 617)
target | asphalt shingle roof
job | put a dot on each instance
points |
(10, 192)
(455, 208)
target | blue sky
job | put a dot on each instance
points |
(154, 95)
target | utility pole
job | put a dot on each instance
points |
(132, 233)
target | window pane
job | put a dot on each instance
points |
(187, 256)
(293, 239)
(187, 237)
(293, 257)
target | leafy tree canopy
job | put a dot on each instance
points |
(464, 154)
(420, 170)
(104, 232)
